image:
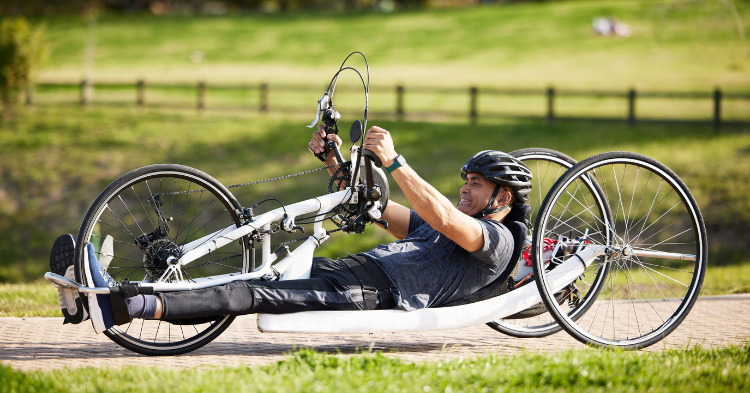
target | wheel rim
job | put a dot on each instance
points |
(546, 169)
(643, 297)
(142, 246)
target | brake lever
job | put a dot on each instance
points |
(322, 105)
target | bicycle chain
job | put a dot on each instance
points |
(333, 179)
(258, 181)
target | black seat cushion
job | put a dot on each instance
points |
(506, 280)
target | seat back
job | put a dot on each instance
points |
(506, 280)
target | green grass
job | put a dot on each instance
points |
(692, 370)
(56, 160)
(675, 45)
(37, 299)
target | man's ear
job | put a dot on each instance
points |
(506, 199)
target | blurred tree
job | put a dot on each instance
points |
(22, 51)
(160, 7)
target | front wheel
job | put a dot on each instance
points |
(655, 253)
(147, 216)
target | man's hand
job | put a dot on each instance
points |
(379, 141)
(318, 142)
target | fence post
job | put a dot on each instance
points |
(400, 102)
(717, 109)
(29, 94)
(473, 104)
(201, 95)
(631, 107)
(141, 94)
(264, 97)
(84, 92)
(550, 105)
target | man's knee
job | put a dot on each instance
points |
(234, 298)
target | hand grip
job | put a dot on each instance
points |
(330, 145)
(374, 157)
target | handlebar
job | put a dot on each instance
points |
(370, 193)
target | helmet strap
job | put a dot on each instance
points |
(489, 210)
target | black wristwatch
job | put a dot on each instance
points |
(398, 163)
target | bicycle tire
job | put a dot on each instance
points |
(536, 322)
(124, 212)
(655, 211)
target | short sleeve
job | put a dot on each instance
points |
(415, 221)
(498, 246)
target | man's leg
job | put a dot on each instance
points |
(332, 286)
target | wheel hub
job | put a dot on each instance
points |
(157, 256)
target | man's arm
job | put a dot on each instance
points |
(430, 204)
(397, 216)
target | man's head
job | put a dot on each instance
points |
(493, 181)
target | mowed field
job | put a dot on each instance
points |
(56, 161)
(56, 157)
(675, 45)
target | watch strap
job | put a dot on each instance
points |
(397, 163)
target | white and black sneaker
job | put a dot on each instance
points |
(61, 260)
(100, 307)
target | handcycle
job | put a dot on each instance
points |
(618, 249)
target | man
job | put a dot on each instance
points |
(444, 252)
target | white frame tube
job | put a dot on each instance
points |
(426, 319)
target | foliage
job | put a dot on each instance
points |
(22, 51)
(694, 369)
(61, 7)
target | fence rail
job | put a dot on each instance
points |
(473, 93)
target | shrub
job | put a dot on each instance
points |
(22, 50)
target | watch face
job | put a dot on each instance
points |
(401, 160)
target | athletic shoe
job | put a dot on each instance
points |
(61, 262)
(100, 307)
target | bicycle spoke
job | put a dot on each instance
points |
(144, 207)
(653, 240)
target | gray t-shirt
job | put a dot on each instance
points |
(427, 269)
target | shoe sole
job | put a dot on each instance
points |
(62, 254)
(61, 260)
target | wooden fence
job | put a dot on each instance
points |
(473, 93)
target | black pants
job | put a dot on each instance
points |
(351, 283)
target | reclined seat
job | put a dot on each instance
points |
(506, 281)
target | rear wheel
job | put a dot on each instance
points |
(656, 253)
(147, 216)
(546, 166)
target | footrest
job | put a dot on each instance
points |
(59, 281)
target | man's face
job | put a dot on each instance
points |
(475, 193)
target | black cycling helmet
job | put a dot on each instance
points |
(503, 170)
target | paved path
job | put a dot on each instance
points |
(44, 343)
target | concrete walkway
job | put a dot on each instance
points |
(44, 343)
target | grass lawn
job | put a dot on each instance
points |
(675, 45)
(683, 371)
(55, 161)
